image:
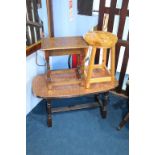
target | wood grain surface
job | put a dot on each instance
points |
(59, 43)
(100, 39)
(40, 89)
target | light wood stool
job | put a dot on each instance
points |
(99, 73)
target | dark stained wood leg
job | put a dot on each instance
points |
(49, 113)
(124, 121)
(103, 104)
(99, 102)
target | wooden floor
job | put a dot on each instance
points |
(39, 86)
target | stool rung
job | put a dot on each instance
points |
(97, 66)
(101, 79)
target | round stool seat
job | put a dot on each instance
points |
(100, 39)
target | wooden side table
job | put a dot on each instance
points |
(41, 90)
(64, 46)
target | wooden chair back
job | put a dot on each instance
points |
(107, 16)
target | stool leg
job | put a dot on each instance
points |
(78, 67)
(49, 113)
(48, 70)
(104, 60)
(90, 67)
(84, 56)
(113, 63)
(78, 60)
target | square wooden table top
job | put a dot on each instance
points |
(59, 43)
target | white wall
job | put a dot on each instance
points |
(31, 68)
(31, 71)
(63, 26)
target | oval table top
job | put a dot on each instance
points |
(39, 88)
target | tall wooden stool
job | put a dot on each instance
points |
(99, 73)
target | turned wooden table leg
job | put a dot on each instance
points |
(49, 113)
(105, 103)
(124, 121)
(100, 102)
